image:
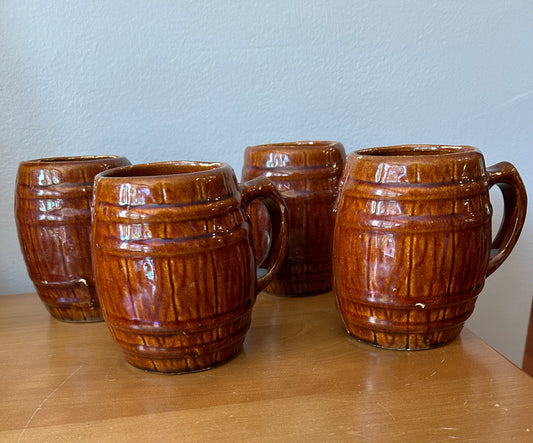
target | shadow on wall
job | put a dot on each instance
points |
(527, 365)
(18, 117)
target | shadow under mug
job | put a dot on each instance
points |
(53, 216)
(413, 243)
(174, 265)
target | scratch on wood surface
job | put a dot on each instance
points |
(387, 411)
(431, 375)
(111, 367)
(45, 400)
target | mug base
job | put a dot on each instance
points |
(75, 314)
(70, 302)
(185, 365)
(297, 288)
(406, 341)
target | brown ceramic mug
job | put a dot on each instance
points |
(413, 243)
(307, 174)
(173, 259)
(53, 216)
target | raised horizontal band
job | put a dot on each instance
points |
(171, 247)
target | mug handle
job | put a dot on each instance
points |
(262, 188)
(505, 175)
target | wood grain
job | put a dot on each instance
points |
(300, 377)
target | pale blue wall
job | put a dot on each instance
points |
(170, 80)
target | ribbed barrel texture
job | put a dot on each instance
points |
(53, 214)
(411, 248)
(307, 176)
(175, 273)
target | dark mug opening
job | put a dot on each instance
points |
(160, 169)
(410, 150)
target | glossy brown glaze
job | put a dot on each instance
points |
(53, 216)
(413, 242)
(174, 265)
(306, 174)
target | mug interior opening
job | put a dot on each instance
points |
(154, 170)
(389, 151)
(296, 145)
(73, 159)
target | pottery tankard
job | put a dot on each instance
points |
(413, 243)
(174, 264)
(307, 174)
(53, 217)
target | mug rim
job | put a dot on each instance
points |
(71, 159)
(302, 144)
(166, 169)
(416, 150)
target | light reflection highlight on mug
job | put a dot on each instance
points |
(277, 160)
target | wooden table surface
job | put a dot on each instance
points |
(299, 378)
